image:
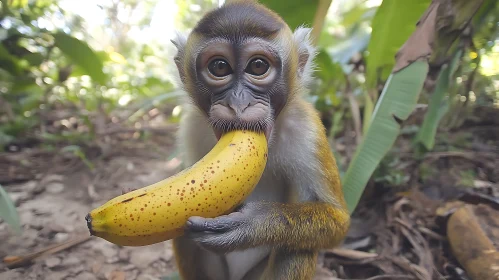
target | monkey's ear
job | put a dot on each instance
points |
(179, 42)
(306, 52)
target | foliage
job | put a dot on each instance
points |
(53, 75)
(438, 105)
(8, 211)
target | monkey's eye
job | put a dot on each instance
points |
(219, 68)
(257, 67)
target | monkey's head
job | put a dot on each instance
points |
(241, 65)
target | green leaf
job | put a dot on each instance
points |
(397, 101)
(394, 22)
(4, 53)
(9, 62)
(5, 7)
(368, 111)
(437, 106)
(34, 59)
(344, 51)
(8, 211)
(294, 12)
(81, 54)
(357, 14)
(327, 68)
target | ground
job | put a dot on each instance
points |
(52, 209)
(395, 231)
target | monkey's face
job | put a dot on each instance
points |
(242, 83)
(241, 65)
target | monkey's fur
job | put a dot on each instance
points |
(298, 206)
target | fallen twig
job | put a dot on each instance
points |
(18, 261)
(352, 254)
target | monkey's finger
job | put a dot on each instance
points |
(215, 242)
(219, 224)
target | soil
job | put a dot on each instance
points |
(52, 209)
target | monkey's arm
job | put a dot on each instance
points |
(293, 226)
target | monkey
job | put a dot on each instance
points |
(242, 67)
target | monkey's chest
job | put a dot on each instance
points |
(271, 187)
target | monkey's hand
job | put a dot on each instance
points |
(225, 233)
(295, 226)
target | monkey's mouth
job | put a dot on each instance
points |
(221, 127)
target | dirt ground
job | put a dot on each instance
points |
(52, 209)
(395, 231)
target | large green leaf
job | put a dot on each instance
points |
(294, 12)
(81, 54)
(8, 211)
(394, 22)
(397, 101)
(437, 106)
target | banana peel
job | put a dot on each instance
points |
(213, 186)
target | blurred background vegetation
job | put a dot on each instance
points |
(75, 73)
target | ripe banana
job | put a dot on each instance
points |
(213, 186)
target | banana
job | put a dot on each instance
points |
(213, 186)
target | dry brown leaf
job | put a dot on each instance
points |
(352, 254)
(471, 246)
(419, 44)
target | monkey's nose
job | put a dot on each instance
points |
(239, 108)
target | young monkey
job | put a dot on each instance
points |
(243, 67)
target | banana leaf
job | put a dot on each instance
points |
(397, 101)
(438, 106)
